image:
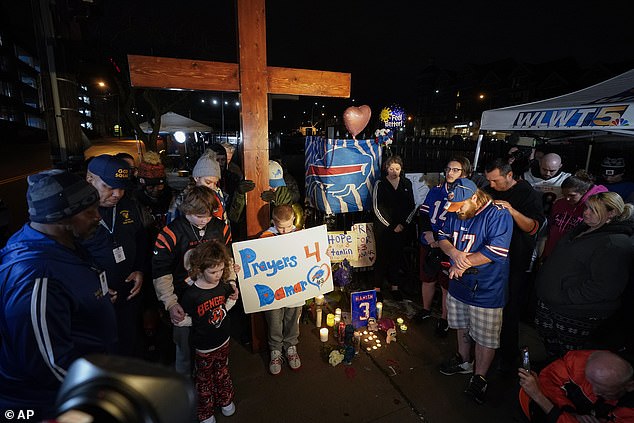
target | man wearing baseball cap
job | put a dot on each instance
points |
(476, 236)
(119, 245)
(54, 302)
(278, 192)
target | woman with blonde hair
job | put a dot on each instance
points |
(582, 282)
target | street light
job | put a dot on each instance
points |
(222, 102)
(107, 95)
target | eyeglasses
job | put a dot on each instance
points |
(453, 169)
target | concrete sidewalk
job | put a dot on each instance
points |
(395, 383)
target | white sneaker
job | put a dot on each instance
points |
(293, 358)
(228, 410)
(211, 419)
(275, 365)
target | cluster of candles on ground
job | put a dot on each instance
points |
(334, 321)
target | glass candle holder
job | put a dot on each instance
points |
(330, 319)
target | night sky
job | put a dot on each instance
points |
(383, 44)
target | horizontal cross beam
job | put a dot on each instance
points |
(187, 74)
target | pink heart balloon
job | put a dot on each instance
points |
(356, 119)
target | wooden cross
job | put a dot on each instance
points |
(254, 80)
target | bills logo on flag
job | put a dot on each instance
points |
(340, 173)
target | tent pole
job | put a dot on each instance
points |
(477, 151)
(589, 153)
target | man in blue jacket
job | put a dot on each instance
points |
(54, 303)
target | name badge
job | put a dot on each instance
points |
(103, 281)
(118, 253)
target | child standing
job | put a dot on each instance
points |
(283, 323)
(207, 302)
(194, 226)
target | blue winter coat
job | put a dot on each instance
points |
(52, 311)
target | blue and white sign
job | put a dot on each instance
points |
(363, 305)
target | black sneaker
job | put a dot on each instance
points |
(477, 388)
(455, 365)
(442, 328)
(421, 315)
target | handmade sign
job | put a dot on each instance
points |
(340, 173)
(365, 245)
(363, 305)
(343, 245)
(283, 270)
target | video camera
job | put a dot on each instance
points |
(123, 390)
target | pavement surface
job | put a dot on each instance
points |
(399, 382)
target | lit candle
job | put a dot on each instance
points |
(323, 334)
(330, 319)
(403, 328)
(337, 319)
(319, 300)
(400, 321)
(374, 347)
(379, 310)
(365, 332)
(369, 349)
(318, 318)
(338, 312)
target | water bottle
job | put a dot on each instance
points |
(526, 362)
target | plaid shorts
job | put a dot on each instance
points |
(483, 324)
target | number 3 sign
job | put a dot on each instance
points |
(363, 307)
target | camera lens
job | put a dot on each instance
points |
(103, 404)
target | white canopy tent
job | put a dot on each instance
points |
(603, 109)
(173, 122)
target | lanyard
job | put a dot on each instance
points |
(114, 215)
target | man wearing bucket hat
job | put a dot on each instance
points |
(54, 301)
(119, 245)
(476, 237)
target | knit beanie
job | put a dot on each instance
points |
(151, 171)
(53, 195)
(611, 166)
(207, 165)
